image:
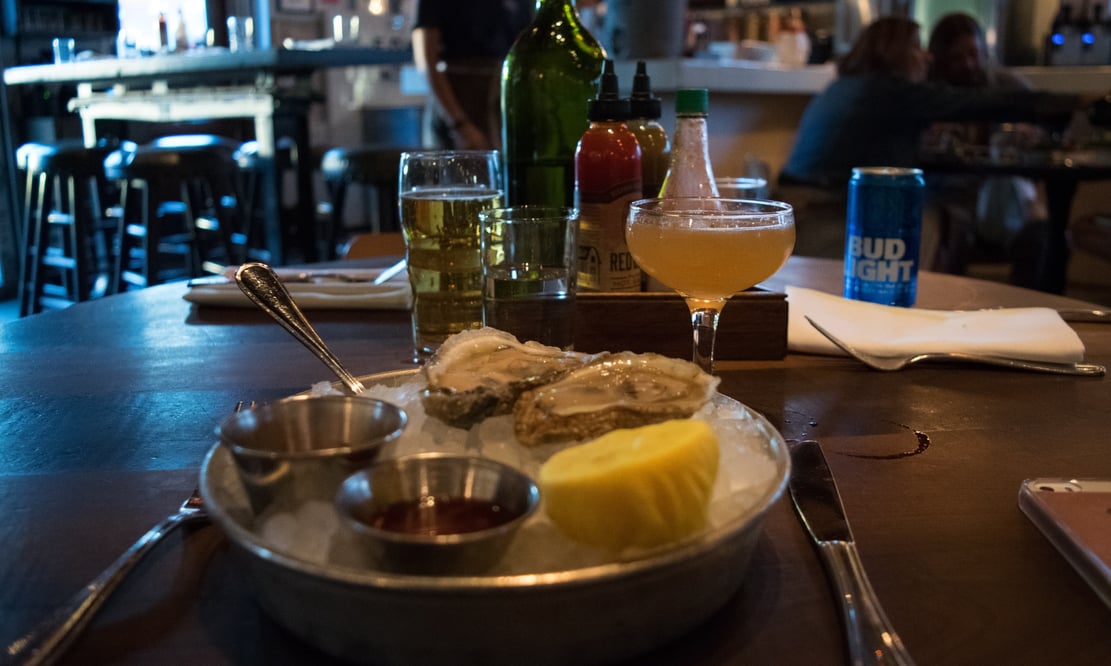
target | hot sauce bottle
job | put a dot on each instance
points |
(644, 121)
(607, 180)
(690, 174)
(163, 31)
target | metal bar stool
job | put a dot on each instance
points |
(66, 242)
(375, 167)
(178, 197)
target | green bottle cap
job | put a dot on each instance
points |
(692, 100)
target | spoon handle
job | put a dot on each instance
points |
(261, 285)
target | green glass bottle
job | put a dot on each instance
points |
(548, 79)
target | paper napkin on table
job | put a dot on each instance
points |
(1034, 334)
(321, 293)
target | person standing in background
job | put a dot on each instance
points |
(460, 47)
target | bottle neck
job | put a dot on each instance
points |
(608, 124)
(541, 4)
(691, 131)
(555, 6)
(552, 11)
(690, 173)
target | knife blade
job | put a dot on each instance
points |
(815, 495)
(869, 634)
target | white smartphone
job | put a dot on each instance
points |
(1075, 515)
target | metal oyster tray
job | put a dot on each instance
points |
(596, 614)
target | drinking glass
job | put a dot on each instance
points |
(708, 249)
(441, 194)
(530, 269)
(241, 33)
(64, 49)
(742, 187)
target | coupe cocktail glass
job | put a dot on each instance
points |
(708, 249)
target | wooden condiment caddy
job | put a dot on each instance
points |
(752, 326)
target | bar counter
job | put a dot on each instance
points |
(210, 67)
(263, 85)
(733, 75)
(755, 108)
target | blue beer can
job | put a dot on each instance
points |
(883, 235)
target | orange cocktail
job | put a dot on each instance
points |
(708, 249)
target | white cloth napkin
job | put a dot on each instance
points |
(1034, 334)
(322, 293)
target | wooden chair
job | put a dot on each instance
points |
(374, 168)
(366, 245)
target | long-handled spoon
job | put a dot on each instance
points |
(265, 289)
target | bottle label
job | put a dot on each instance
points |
(605, 263)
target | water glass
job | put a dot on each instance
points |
(1005, 144)
(64, 49)
(442, 194)
(530, 271)
(742, 187)
(241, 33)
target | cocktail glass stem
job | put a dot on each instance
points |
(704, 324)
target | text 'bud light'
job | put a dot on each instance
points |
(884, 230)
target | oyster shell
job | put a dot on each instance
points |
(480, 373)
(622, 390)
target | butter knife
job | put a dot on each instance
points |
(871, 638)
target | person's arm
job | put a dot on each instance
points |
(940, 102)
(426, 56)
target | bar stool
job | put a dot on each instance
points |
(67, 241)
(254, 240)
(178, 197)
(376, 168)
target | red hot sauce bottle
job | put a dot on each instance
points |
(607, 180)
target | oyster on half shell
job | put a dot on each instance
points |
(480, 373)
(621, 390)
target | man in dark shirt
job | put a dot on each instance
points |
(460, 46)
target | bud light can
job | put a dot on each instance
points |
(884, 230)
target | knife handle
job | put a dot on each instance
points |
(871, 638)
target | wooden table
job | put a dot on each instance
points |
(108, 408)
(263, 85)
(1060, 172)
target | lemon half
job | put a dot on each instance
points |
(635, 487)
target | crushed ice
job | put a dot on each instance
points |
(313, 532)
